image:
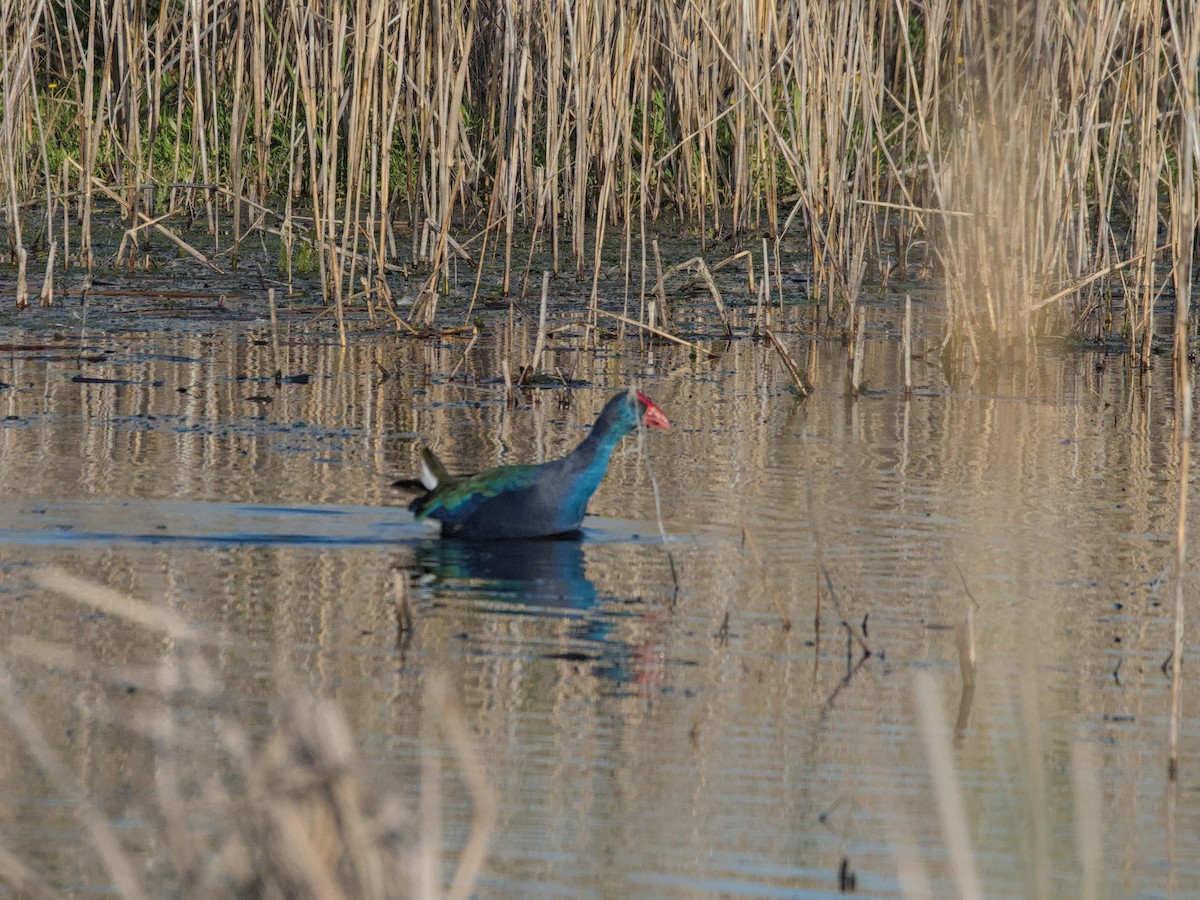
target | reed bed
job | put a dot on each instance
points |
(1028, 154)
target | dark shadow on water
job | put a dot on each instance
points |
(549, 574)
(544, 579)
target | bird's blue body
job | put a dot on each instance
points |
(536, 500)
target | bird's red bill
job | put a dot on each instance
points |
(653, 417)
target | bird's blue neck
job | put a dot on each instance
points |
(590, 458)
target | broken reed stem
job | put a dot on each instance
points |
(462, 360)
(658, 332)
(801, 382)
(161, 229)
(698, 266)
(22, 301)
(748, 256)
(1094, 276)
(46, 298)
(274, 333)
(400, 590)
(907, 346)
(778, 281)
(508, 385)
(764, 294)
(856, 362)
(660, 289)
(540, 343)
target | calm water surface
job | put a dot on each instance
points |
(644, 738)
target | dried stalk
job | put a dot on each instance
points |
(1027, 152)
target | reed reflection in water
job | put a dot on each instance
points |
(638, 740)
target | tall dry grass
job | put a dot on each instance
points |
(1185, 203)
(1021, 150)
(284, 814)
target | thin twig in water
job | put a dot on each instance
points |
(855, 634)
(466, 352)
(803, 388)
(780, 605)
(658, 332)
(662, 530)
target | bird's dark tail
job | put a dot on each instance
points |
(433, 474)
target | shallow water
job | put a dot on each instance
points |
(645, 734)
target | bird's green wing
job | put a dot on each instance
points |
(458, 497)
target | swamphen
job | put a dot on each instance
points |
(531, 501)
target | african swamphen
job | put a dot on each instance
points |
(531, 501)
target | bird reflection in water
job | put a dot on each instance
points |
(540, 578)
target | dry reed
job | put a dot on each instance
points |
(287, 814)
(1021, 761)
(947, 790)
(1026, 146)
(1185, 205)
